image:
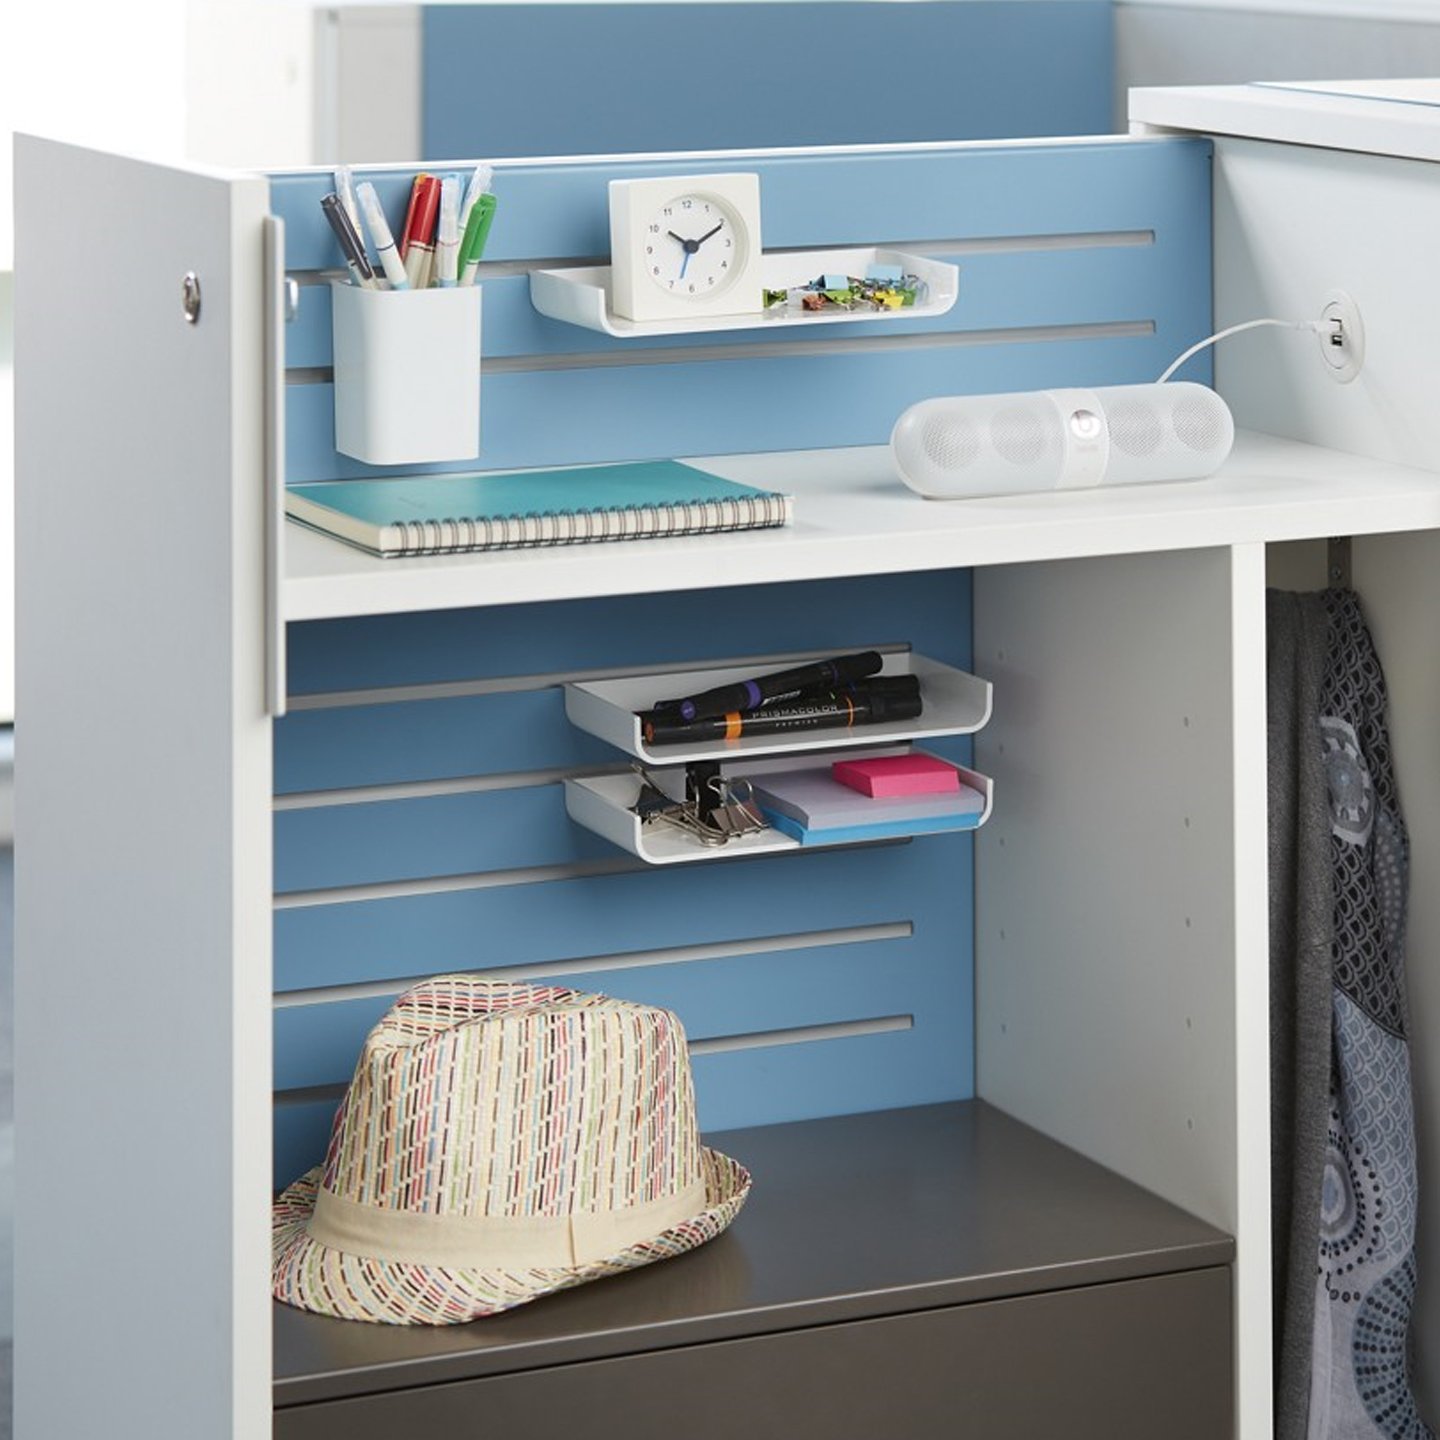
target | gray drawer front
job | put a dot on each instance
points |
(1138, 1359)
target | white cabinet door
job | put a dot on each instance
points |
(142, 891)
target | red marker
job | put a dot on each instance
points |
(416, 190)
(418, 244)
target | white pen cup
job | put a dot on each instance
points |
(407, 374)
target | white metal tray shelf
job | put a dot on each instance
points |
(956, 703)
(582, 296)
(602, 804)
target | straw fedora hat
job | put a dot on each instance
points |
(499, 1142)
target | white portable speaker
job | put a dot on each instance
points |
(965, 445)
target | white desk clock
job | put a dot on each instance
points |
(685, 246)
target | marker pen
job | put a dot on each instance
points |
(448, 247)
(384, 241)
(417, 186)
(351, 246)
(345, 189)
(480, 182)
(418, 247)
(838, 709)
(477, 232)
(765, 690)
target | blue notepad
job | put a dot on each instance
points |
(450, 514)
(811, 806)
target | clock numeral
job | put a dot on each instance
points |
(687, 204)
(712, 280)
(724, 264)
(692, 289)
(654, 229)
(655, 271)
(727, 244)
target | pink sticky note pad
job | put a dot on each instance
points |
(898, 775)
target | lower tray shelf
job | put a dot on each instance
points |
(603, 804)
(852, 1218)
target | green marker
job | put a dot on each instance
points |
(477, 232)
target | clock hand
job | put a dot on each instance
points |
(686, 261)
(708, 234)
(691, 246)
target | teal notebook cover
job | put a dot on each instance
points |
(537, 507)
(881, 830)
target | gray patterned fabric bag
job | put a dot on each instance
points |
(1365, 1284)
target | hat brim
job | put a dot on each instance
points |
(316, 1277)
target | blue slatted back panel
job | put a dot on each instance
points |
(1082, 264)
(856, 935)
(596, 79)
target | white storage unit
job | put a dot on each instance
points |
(1120, 932)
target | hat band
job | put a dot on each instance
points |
(496, 1242)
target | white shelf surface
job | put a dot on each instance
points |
(602, 803)
(1374, 117)
(956, 703)
(853, 516)
(582, 296)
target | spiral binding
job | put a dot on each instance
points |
(536, 528)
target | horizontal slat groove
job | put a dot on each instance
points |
(976, 245)
(802, 1035)
(447, 884)
(515, 684)
(631, 960)
(527, 875)
(428, 789)
(716, 1045)
(784, 350)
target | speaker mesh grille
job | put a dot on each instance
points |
(1134, 428)
(1197, 423)
(1019, 434)
(950, 441)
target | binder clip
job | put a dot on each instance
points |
(716, 808)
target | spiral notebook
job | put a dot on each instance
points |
(454, 514)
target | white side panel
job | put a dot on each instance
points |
(374, 74)
(1121, 930)
(1398, 580)
(1291, 224)
(250, 83)
(143, 873)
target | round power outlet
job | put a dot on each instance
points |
(1342, 342)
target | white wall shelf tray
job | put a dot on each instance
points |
(602, 803)
(956, 703)
(582, 296)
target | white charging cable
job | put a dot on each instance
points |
(1316, 327)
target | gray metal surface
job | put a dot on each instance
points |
(1140, 1358)
(851, 1218)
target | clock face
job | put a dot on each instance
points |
(685, 248)
(693, 246)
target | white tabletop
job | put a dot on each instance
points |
(854, 517)
(1376, 117)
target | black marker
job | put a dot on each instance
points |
(894, 697)
(746, 695)
(351, 245)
